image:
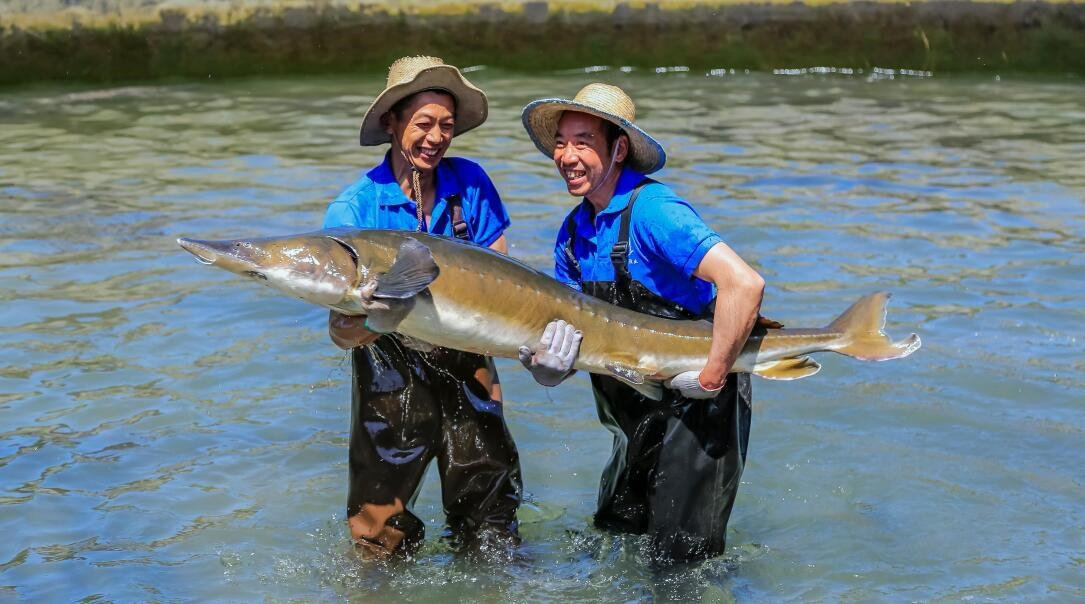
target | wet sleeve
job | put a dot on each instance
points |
(488, 217)
(673, 233)
(563, 269)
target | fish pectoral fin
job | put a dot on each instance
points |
(389, 298)
(636, 380)
(384, 316)
(625, 373)
(650, 389)
(411, 272)
(787, 369)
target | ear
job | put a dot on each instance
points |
(621, 149)
(388, 123)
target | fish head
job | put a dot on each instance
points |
(314, 267)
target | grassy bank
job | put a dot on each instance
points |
(219, 39)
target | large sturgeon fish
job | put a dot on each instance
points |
(448, 293)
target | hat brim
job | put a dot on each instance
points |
(541, 117)
(471, 105)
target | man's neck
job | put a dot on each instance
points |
(600, 198)
(402, 171)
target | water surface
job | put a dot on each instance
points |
(172, 432)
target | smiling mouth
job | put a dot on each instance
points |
(571, 175)
(429, 153)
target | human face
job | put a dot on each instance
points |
(581, 153)
(423, 128)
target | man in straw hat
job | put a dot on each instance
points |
(408, 407)
(676, 463)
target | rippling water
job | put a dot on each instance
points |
(172, 432)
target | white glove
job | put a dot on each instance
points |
(688, 384)
(552, 360)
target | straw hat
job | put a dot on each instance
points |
(601, 100)
(414, 74)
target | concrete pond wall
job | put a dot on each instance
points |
(125, 40)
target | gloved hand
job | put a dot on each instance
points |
(688, 384)
(552, 359)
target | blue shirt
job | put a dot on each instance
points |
(667, 241)
(376, 201)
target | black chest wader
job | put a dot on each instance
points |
(408, 407)
(675, 465)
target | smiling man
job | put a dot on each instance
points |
(676, 463)
(409, 407)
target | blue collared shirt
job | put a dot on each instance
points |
(376, 201)
(667, 241)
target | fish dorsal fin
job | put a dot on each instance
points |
(636, 380)
(411, 272)
(787, 369)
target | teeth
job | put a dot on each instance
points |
(571, 174)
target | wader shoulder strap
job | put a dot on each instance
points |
(459, 225)
(619, 256)
(460, 230)
(570, 252)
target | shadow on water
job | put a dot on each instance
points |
(175, 433)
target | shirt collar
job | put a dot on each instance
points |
(389, 192)
(623, 190)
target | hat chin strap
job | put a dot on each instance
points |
(610, 168)
(416, 187)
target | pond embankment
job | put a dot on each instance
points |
(115, 40)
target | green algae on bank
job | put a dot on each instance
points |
(207, 39)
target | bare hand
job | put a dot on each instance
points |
(348, 331)
(552, 360)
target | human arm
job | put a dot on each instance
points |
(484, 211)
(348, 331)
(676, 239)
(501, 244)
(551, 360)
(739, 290)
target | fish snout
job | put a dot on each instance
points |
(234, 256)
(204, 251)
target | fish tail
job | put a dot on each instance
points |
(861, 332)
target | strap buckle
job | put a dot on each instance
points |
(460, 230)
(620, 253)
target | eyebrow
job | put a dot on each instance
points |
(581, 134)
(433, 116)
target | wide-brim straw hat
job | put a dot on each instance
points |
(608, 102)
(414, 74)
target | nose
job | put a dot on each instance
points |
(434, 136)
(568, 155)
